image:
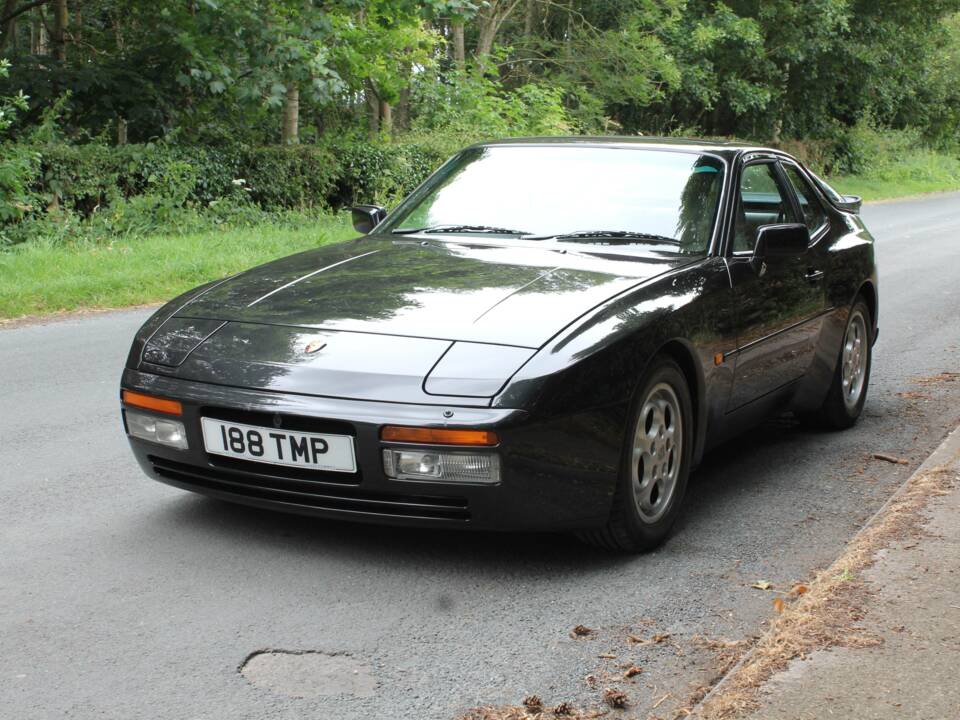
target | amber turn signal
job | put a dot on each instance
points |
(439, 436)
(149, 402)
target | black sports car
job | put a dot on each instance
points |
(547, 334)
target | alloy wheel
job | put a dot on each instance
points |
(854, 359)
(657, 450)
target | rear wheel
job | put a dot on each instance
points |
(655, 463)
(848, 391)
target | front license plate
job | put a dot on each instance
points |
(317, 451)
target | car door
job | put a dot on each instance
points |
(780, 302)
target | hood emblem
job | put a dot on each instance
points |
(314, 346)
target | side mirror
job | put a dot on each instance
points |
(851, 203)
(367, 217)
(781, 241)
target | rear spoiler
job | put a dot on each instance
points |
(849, 203)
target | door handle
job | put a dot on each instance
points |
(814, 276)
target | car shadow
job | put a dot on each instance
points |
(726, 473)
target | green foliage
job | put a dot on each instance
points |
(471, 106)
(18, 166)
(201, 89)
(381, 174)
(288, 177)
(95, 192)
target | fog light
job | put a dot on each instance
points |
(430, 465)
(159, 430)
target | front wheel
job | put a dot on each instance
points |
(655, 463)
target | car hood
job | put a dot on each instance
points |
(519, 294)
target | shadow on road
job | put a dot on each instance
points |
(728, 475)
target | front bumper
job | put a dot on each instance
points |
(556, 474)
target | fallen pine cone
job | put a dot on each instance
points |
(533, 703)
(632, 670)
(563, 708)
(581, 631)
(615, 698)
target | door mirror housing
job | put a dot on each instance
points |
(367, 217)
(781, 241)
(851, 203)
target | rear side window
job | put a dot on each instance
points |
(813, 214)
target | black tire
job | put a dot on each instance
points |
(837, 411)
(627, 529)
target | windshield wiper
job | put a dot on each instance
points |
(608, 235)
(458, 229)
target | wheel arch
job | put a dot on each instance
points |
(682, 353)
(868, 290)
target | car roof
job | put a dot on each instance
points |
(717, 147)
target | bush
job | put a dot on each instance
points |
(96, 192)
(381, 174)
(295, 176)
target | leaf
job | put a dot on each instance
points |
(762, 585)
(779, 604)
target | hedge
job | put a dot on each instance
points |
(84, 179)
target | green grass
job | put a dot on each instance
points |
(40, 279)
(920, 171)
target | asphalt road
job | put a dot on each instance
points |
(124, 598)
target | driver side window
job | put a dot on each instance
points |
(761, 201)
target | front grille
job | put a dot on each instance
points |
(316, 494)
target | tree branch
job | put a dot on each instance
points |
(21, 10)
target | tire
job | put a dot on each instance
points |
(848, 390)
(655, 463)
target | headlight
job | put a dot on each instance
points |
(442, 466)
(159, 430)
(475, 369)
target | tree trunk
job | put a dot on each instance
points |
(490, 18)
(290, 128)
(373, 114)
(9, 29)
(60, 20)
(459, 49)
(529, 18)
(43, 45)
(401, 115)
(488, 32)
(121, 131)
(386, 118)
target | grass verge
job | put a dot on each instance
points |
(828, 613)
(919, 171)
(41, 279)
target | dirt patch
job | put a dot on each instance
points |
(937, 379)
(828, 613)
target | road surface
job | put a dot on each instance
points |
(124, 598)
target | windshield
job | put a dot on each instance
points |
(577, 194)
